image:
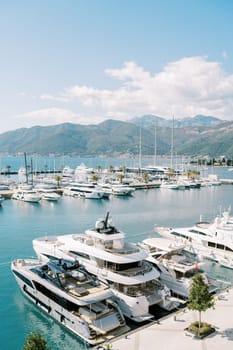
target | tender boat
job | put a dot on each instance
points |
(176, 266)
(172, 185)
(213, 240)
(71, 296)
(104, 253)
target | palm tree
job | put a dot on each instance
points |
(120, 177)
(99, 168)
(58, 179)
(110, 168)
(145, 177)
(94, 177)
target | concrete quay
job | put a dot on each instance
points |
(170, 334)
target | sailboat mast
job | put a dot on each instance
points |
(155, 149)
(172, 142)
(26, 167)
(140, 149)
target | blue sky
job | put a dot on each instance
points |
(88, 61)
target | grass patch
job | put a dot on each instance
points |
(203, 331)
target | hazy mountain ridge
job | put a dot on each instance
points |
(150, 120)
(206, 136)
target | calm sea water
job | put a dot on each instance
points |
(136, 216)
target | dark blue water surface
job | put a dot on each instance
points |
(21, 222)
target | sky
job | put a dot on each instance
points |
(86, 61)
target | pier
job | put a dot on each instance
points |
(169, 332)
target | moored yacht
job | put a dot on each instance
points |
(26, 194)
(71, 296)
(49, 194)
(78, 190)
(104, 253)
(176, 266)
(212, 240)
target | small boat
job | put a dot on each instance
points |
(26, 194)
(49, 194)
(173, 185)
(71, 296)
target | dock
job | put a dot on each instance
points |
(169, 332)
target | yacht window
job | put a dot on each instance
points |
(178, 234)
(198, 232)
(56, 298)
(220, 246)
(79, 254)
(229, 249)
(157, 255)
(108, 245)
(23, 278)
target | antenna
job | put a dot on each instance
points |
(106, 220)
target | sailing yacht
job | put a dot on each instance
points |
(104, 253)
(71, 296)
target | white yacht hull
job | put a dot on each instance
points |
(134, 307)
(74, 320)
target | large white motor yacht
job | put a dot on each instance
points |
(67, 293)
(104, 253)
(78, 190)
(176, 266)
(213, 240)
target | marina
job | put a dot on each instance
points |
(22, 222)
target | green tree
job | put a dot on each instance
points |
(120, 177)
(94, 177)
(199, 298)
(35, 341)
(145, 177)
(171, 173)
(110, 168)
(58, 179)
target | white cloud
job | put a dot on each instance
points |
(189, 86)
(51, 116)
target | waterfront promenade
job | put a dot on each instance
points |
(169, 333)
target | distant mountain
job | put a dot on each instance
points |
(204, 136)
(150, 120)
(111, 137)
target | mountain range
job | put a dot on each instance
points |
(198, 136)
